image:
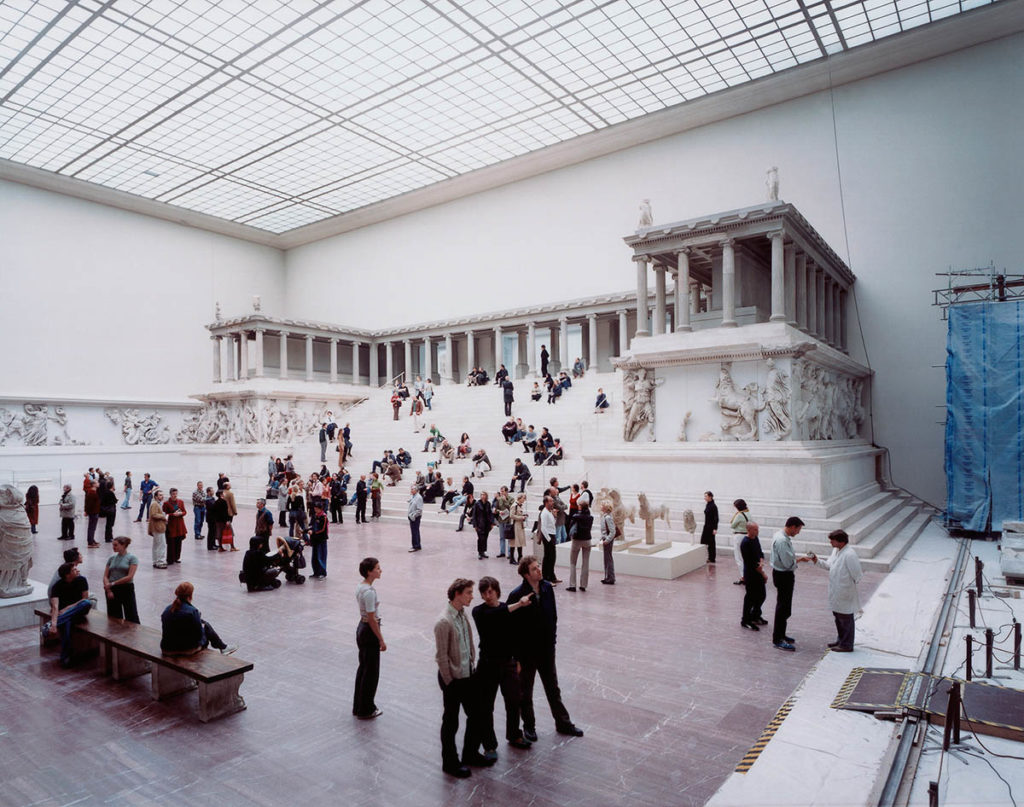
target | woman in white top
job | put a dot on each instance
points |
(370, 642)
(738, 525)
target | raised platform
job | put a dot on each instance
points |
(19, 612)
(675, 561)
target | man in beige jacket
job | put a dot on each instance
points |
(157, 529)
(456, 659)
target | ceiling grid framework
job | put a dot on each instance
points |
(276, 114)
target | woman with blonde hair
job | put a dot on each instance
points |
(518, 540)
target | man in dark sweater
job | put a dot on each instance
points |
(69, 603)
(707, 535)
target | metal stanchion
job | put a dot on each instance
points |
(970, 655)
(933, 794)
(1016, 645)
(972, 605)
(978, 566)
(989, 643)
(951, 729)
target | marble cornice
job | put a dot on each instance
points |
(748, 352)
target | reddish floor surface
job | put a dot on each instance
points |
(670, 691)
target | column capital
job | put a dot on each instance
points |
(727, 242)
(621, 312)
(592, 317)
(563, 320)
(309, 337)
(774, 234)
(642, 259)
(684, 251)
(426, 339)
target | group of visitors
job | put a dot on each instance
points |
(782, 561)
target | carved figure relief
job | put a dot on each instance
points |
(646, 216)
(37, 426)
(638, 404)
(739, 409)
(137, 430)
(15, 544)
(681, 438)
(247, 422)
(776, 402)
(830, 404)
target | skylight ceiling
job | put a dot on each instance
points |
(280, 113)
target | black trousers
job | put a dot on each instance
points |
(336, 516)
(459, 693)
(784, 583)
(360, 509)
(121, 603)
(508, 409)
(531, 665)
(109, 516)
(494, 674)
(708, 537)
(754, 597)
(481, 541)
(844, 630)
(368, 672)
(547, 561)
(67, 529)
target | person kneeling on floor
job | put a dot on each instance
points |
(259, 572)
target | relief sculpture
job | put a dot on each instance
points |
(137, 430)
(739, 409)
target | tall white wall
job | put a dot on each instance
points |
(99, 302)
(929, 175)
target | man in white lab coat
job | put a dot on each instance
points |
(844, 573)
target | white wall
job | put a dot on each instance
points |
(100, 302)
(931, 177)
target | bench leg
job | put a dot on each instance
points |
(220, 698)
(125, 665)
(167, 682)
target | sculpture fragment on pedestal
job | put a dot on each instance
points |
(690, 524)
(15, 544)
(619, 511)
(648, 514)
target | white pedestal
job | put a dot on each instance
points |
(19, 612)
(674, 561)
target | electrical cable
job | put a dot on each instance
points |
(997, 773)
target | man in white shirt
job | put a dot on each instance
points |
(844, 573)
(548, 532)
(415, 513)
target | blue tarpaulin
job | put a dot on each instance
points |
(985, 415)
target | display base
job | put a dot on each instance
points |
(19, 612)
(673, 561)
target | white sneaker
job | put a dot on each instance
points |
(227, 651)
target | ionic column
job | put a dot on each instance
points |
(842, 318)
(217, 342)
(355, 363)
(408, 360)
(592, 339)
(470, 353)
(789, 265)
(659, 298)
(694, 297)
(683, 292)
(778, 279)
(389, 361)
(729, 284)
(334, 361)
(283, 352)
(642, 311)
(428, 360)
(374, 378)
(801, 291)
(623, 335)
(309, 358)
(232, 357)
(497, 348)
(243, 355)
(835, 313)
(826, 305)
(563, 342)
(259, 352)
(812, 298)
(449, 370)
(531, 348)
(819, 283)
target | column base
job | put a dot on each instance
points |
(641, 333)
(729, 323)
(684, 329)
(777, 318)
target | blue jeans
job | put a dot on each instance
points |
(503, 530)
(427, 401)
(458, 501)
(297, 518)
(561, 536)
(200, 513)
(144, 506)
(127, 500)
(76, 613)
(414, 528)
(319, 558)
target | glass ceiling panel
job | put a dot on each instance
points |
(278, 113)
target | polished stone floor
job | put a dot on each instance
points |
(670, 691)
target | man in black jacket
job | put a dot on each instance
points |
(361, 500)
(537, 628)
(707, 535)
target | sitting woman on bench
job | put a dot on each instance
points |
(184, 630)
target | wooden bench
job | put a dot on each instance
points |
(132, 650)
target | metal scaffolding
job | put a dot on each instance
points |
(983, 284)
